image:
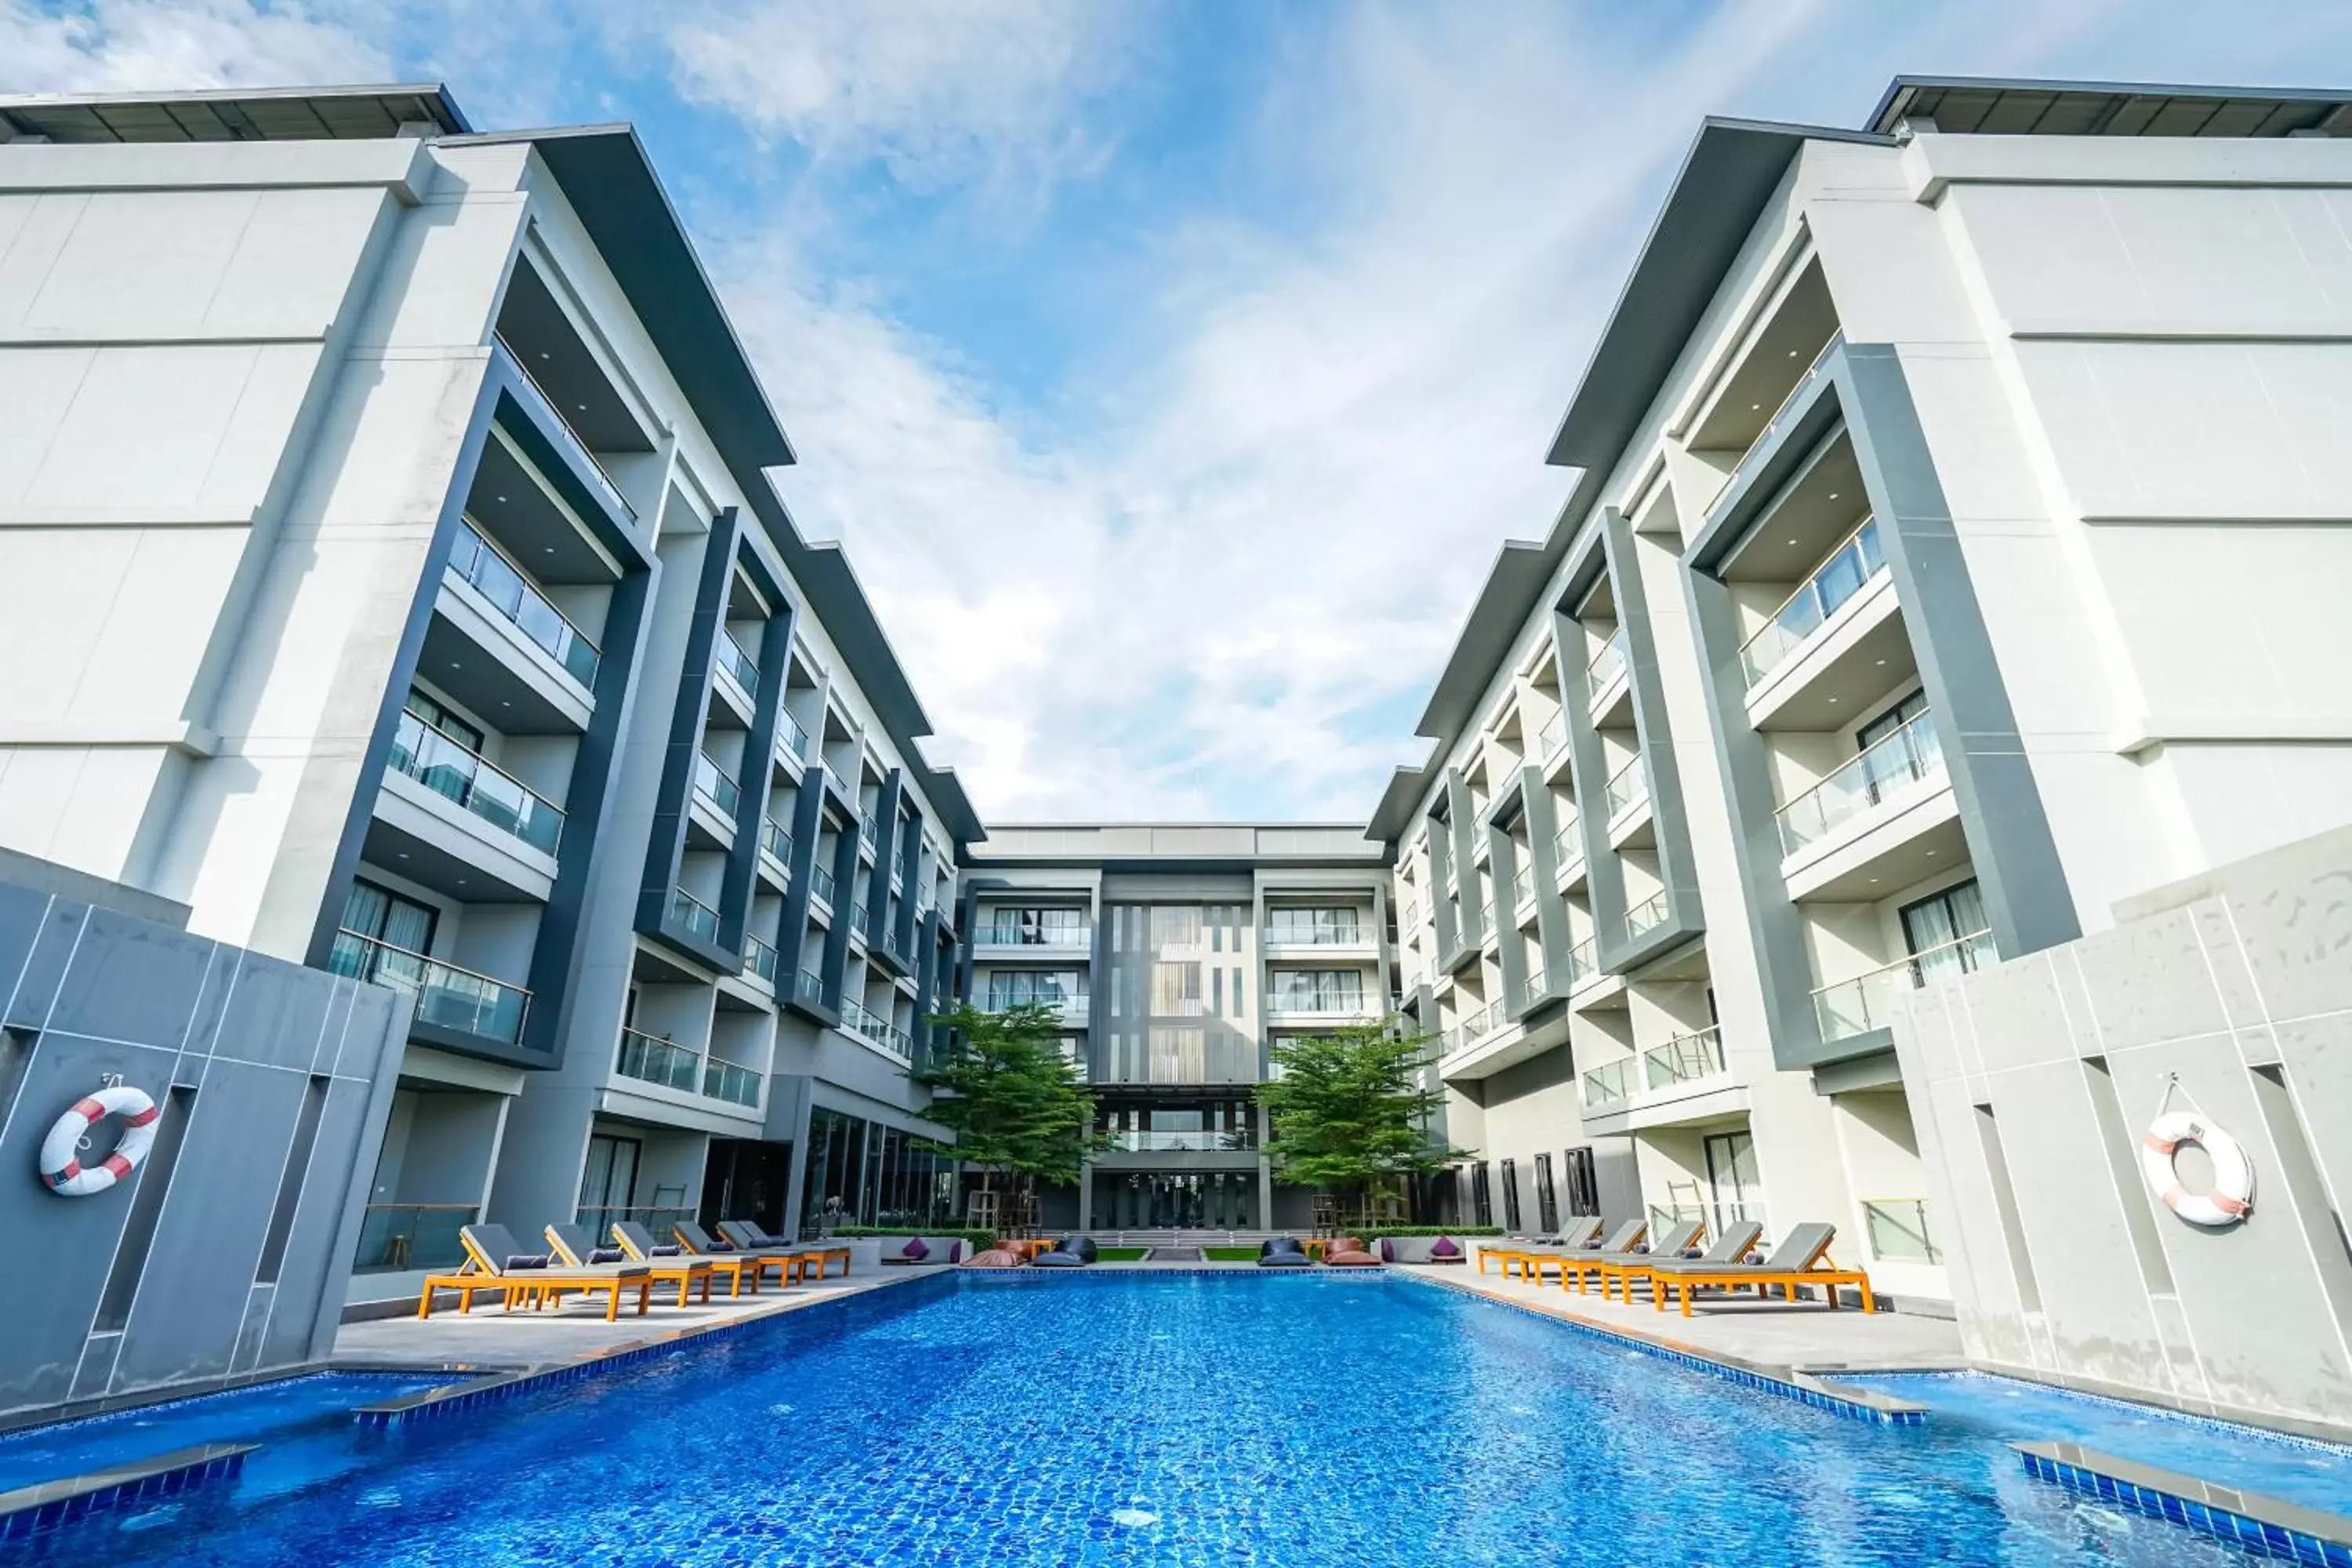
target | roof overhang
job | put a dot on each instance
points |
(2001, 106)
(232, 114)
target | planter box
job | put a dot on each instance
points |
(936, 1250)
(1416, 1249)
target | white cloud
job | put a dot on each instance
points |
(132, 46)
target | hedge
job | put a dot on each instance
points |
(982, 1240)
(1377, 1233)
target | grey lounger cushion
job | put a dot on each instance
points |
(1796, 1249)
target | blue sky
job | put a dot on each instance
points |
(1172, 370)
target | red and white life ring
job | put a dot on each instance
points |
(2233, 1197)
(61, 1165)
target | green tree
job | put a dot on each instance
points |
(1350, 1110)
(1017, 1104)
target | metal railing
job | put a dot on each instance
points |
(698, 918)
(1568, 845)
(1474, 1027)
(1685, 1058)
(759, 959)
(1015, 933)
(775, 842)
(1647, 915)
(1611, 1083)
(394, 1237)
(858, 921)
(1325, 998)
(657, 1059)
(1911, 754)
(1628, 787)
(740, 666)
(471, 780)
(1532, 986)
(555, 407)
(868, 835)
(1856, 560)
(1803, 381)
(1897, 1228)
(478, 562)
(1551, 737)
(1869, 1001)
(447, 996)
(821, 884)
(794, 736)
(730, 1081)
(1606, 666)
(711, 782)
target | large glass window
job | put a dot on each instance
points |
(1511, 1196)
(1019, 987)
(1315, 990)
(1034, 926)
(383, 915)
(1937, 930)
(1584, 1185)
(1546, 1197)
(1482, 1198)
(1331, 927)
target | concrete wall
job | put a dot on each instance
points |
(2033, 1083)
(225, 1253)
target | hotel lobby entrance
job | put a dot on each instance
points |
(1190, 1200)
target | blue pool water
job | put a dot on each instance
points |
(1132, 1419)
(2317, 1475)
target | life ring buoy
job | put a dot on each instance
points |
(61, 1165)
(2233, 1197)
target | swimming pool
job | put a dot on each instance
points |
(1140, 1419)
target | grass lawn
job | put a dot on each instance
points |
(1230, 1254)
(1121, 1254)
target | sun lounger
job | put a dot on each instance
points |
(1626, 1270)
(1675, 1241)
(573, 1249)
(1623, 1240)
(1802, 1260)
(1582, 1231)
(495, 1261)
(750, 1236)
(1283, 1252)
(726, 1258)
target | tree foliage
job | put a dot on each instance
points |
(1015, 1103)
(1350, 1109)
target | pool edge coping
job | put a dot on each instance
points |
(47, 1506)
(2271, 1526)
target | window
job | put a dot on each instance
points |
(1937, 932)
(1176, 990)
(1584, 1185)
(1034, 927)
(1316, 990)
(383, 915)
(1546, 1197)
(1482, 1201)
(1891, 767)
(1019, 987)
(1331, 927)
(439, 717)
(1174, 925)
(1511, 1196)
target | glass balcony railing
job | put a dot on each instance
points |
(1611, 1083)
(821, 885)
(473, 559)
(809, 986)
(1911, 757)
(1568, 844)
(1030, 933)
(398, 1237)
(1898, 1231)
(657, 1058)
(447, 996)
(1850, 568)
(1523, 884)
(1584, 960)
(1628, 787)
(696, 917)
(868, 835)
(858, 921)
(1606, 666)
(793, 737)
(555, 406)
(740, 666)
(423, 753)
(1530, 988)
(1868, 1002)
(729, 1081)
(1686, 1058)
(1647, 915)
(1474, 1027)
(1552, 737)
(711, 782)
(775, 842)
(1316, 935)
(1152, 1140)
(759, 959)
(1315, 999)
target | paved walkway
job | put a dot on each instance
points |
(1804, 1334)
(489, 1336)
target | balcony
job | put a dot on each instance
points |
(821, 885)
(775, 843)
(1686, 1058)
(1568, 849)
(1868, 1002)
(447, 997)
(693, 916)
(1583, 960)
(1297, 1000)
(396, 1239)
(794, 738)
(1850, 568)
(808, 987)
(712, 783)
(1628, 788)
(1531, 990)
(1606, 667)
(858, 921)
(730, 1081)
(1910, 760)
(875, 1030)
(1046, 992)
(1029, 938)
(738, 666)
(1897, 1230)
(658, 1059)
(474, 561)
(1647, 915)
(1612, 1084)
(868, 837)
(1523, 884)
(1551, 738)
(760, 958)
(611, 491)
(1474, 1027)
(1323, 934)
(423, 753)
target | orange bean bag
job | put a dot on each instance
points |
(995, 1258)
(1348, 1252)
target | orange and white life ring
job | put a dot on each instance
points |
(61, 1165)
(2233, 1197)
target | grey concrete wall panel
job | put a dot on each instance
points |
(1510, 955)
(159, 1006)
(1587, 769)
(833, 970)
(666, 842)
(742, 873)
(1862, 388)
(1552, 934)
(808, 818)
